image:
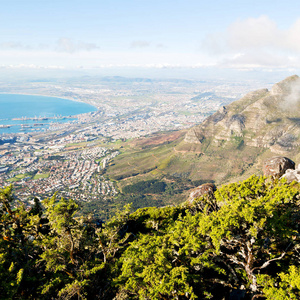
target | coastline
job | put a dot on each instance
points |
(28, 123)
(51, 96)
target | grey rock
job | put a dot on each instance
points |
(204, 189)
(292, 175)
(277, 166)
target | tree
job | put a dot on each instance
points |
(164, 262)
(19, 274)
(79, 257)
(255, 227)
(251, 229)
(283, 286)
(246, 237)
(150, 270)
(65, 250)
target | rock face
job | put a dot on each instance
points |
(277, 166)
(204, 189)
(265, 119)
(193, 136)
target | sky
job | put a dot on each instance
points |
(158, 34)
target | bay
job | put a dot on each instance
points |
(35, 113)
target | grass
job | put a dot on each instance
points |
(21, 176)
(185, 113)
(18, 177)
(14, 179)
(42, 175)
(140, 161)
(165, 163)
(81, 144)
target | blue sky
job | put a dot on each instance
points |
(140, 33)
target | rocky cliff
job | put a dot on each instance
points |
(263, 118)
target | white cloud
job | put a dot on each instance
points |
(14, 46)
(253, 33)
(255, 59)
(139, 44)
(70, 46)
(97, 58)
(63, 45)
(292, 39)
(292, 99)
(31, 66)
(160, 46)
(255, 41)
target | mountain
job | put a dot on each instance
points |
(228, 146)
(263, 118)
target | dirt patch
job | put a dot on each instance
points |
(72, 148)
(159, 138)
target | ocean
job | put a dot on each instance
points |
(26, 113)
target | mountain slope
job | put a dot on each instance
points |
(266, 119)
(229, 145)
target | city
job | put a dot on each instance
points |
(70, 158)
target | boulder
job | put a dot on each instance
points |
(277, 166)
(291, 175)
(204, 189)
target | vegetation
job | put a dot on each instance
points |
(55, 157)
(20, 177)
(41, 175)
(149, 186)
(244, 239)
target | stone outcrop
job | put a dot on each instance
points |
(204, 189)
(282, 167)
(277, 166)
(193, 137)
(292, 175)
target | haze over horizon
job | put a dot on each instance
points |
(252, 36)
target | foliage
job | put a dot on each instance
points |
(284, 286)
(254, 228)
(247, 241)
(55, 157)
(18, 254)
(149, 186)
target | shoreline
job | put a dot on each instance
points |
(5, 126)
(50, 96)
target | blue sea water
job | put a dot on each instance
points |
(26, 106)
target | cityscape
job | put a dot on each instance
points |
(70, 158)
